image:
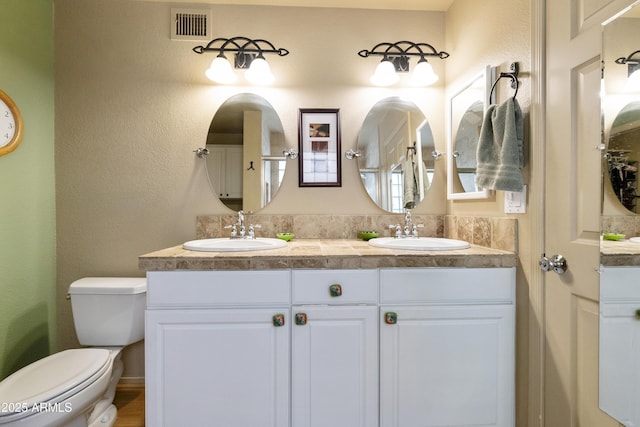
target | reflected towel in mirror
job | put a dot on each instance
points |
(411, 172)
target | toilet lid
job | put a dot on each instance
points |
(52, 376)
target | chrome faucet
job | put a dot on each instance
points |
(408, 229)
(239, 230)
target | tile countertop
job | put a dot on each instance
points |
(321, 253)
(619, 253)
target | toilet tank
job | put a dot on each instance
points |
(108, 311)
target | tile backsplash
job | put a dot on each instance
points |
(493, 232)
(625, 224)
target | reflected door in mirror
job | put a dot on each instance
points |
(396, 163)
(246, 141)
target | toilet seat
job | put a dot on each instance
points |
(51, 380)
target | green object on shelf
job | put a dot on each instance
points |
(366, 235)
(613, 236)
(285, 236)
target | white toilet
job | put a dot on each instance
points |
(76, 387)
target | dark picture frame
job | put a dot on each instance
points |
(319, 150)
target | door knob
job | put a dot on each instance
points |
(557, 263)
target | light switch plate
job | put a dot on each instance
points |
(515, 201)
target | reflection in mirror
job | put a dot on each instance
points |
(465, 143)
(245, 164)
(396, 163)
(466, 114)
(623, 154)
(619, 391)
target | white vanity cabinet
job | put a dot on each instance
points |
(334, 348)
(620, 343)
(217, 348)
(390, 347)
(447, 347)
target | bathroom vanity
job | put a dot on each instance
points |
(620, 331)
(330, 333)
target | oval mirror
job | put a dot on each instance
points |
(466, 109)
(623, 155)
(245, 164)
(396, 163)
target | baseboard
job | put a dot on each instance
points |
(131, 382)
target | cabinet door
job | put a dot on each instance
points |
(215, 169)
(224, 166)
(619, 361)
(335, 366)
(447, 366)
(233, 172)
(227, 367)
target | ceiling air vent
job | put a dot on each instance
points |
(190, 24)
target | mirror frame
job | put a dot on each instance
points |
(488, 76)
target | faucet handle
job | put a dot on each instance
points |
(234, 229)
(398, 229)
(252, 228)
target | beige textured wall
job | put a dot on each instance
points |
(497, 34)
(132, 105)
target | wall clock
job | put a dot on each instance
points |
(10, 124)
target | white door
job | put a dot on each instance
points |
(227, 367)
(572, 211)
(334, 366)
(447, 366)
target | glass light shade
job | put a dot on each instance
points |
(221, 71)
(259, 72)
(423, 74)
(633, 81)
(385, 74)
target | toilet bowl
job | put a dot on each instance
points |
(76, 387)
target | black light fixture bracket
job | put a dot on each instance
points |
(245, 49)
(399, 52)
(630, 61)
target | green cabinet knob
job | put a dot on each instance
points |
(390, 318)
(301, 319)
(335, 290)
(278, 319)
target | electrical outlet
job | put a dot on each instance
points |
(515, 201)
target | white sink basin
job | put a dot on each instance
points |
(420, 243)
(225, 244)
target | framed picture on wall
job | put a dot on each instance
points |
(319, 147)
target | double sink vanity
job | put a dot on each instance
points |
(330, 332)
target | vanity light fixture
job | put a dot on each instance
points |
(249, 56)
(395, 59)
(633, 70)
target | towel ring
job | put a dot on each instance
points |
(513, 75)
